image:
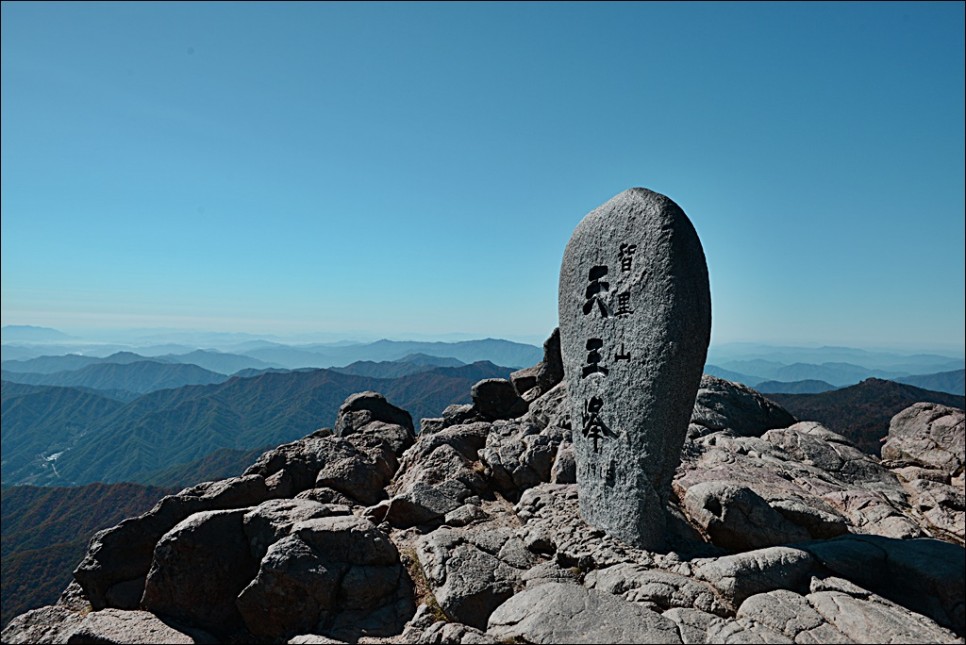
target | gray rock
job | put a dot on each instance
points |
(270, 521)
(535, 381)
(658, 590)
(519, 454)
(813, 477)
(120, 557)
(929, 435)
(357, 475)
(564, 469)
(423, 503)
(818, 522)
(74, 598)
(552, 524)
(551, 409)
(942, 506)
(199, 568)
(348, 539)
(567, 613)
(551, 368)
(737, 518)
(444, 632)
(292, 588)
(924, 575)
(437, 475)
(336, 576)
(465, 514)
(57, 624)
(313, 639)
(363, 408)
(51, 624)
(791, 614)
(524, 380)
(722, 404)
(495, 398)
(472, 571)
(127, 594)
(458, 413)
(550, 571)
(299, 461)
(737, 577)
(111, 626)
(694, 625)
(635, 321)
(873, 620)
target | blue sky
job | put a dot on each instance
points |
(398, 169)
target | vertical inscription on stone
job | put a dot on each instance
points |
(633, 342)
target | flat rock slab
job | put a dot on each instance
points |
(635, 321)
(567, 613)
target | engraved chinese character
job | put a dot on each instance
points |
(594, 427)
(595, 291)
(623, 304)
(621, 355)
(627, 252)
(593, 358)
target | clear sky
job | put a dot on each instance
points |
(397, 169)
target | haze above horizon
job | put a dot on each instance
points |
(417, 169)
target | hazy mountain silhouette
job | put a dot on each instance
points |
(411, 364)
(794, 387)
(221, 362)
(72, 362)
(953, 382)
(30, 333)
(731, 375)
(142, 376)
(500, 352)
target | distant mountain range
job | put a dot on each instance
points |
(795, 387)
(862, 412)
(953, 382)
(140, 377)
(263, 354)
(220, 362)
(31, 334)
(58, 436)
(891, 361)
(500, 352)
(411, 364)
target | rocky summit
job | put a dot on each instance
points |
(778, 531)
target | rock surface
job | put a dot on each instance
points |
(635, 321)
(926, 448)
(928, 435)
(566, 613)
(777, 532)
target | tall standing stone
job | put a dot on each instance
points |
(635, 321)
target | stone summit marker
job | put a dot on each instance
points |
(635, 321)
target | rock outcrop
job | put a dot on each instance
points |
(778, 531)
(926, 449)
